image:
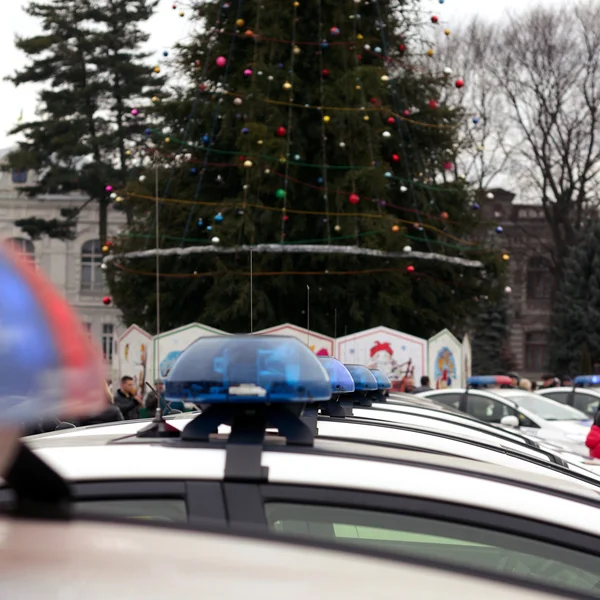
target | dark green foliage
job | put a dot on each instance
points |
(489, 339)
(576, 319)
(212, 137)
(93, 74)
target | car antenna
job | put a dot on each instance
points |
(158, 427)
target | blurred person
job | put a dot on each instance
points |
(153, 397)
(409, 385)
(425, 385)
(534, 386)
(549, 381)
(515, 378)
(525, 384)
(593, 437)
(127, 399)
(110, 414)
(567, 381)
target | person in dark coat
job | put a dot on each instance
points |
(151, 402)
(425, 385)
(127, 400)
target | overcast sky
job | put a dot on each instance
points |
(166, 29)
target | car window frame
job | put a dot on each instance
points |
(204, 500)
(429, 509)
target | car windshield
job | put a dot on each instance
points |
(547, 409)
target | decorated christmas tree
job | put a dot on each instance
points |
(306, 144)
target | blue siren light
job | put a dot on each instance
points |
(364, 380)
(247, 369)
(341, 379)
(489, 380)
(587, 380)
(383, 381)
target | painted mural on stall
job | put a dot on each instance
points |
(320, 344)
(445, 362)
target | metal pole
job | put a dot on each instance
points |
(157, 233)
(251, 295)
(308, 315)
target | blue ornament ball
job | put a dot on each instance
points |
(218, 218)
(209, 228)
(324, 44)
(475, 120)
(320, 180)
(200, 222)
(148, 131)
(499, 229)
(475, 205)
(165, 53)
(193, 170)
(245, 131)
(280, 66)
(205, 139)
(388, 174)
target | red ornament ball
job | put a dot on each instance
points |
(391, 120)
(354, 198)
(395, 158)
(433, 104)
(406, 112)
(107, 300)
(402, 47)
(280, 132)
(325, 73)
(459, 83)
(410, 269)
(285, 218)
(447, 165)
(434, 19)
(444, 215)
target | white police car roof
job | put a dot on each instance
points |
(99, 560)
(367, 430)
(333, 463)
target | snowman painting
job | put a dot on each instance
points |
(382, 358)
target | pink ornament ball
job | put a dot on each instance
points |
(221, 61)
(134, 112)
(109, 188)
(248, 72)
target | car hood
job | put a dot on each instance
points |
(573, 428)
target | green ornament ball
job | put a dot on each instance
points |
(280, 194)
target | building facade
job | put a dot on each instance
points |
(72, 266)
(526, 238)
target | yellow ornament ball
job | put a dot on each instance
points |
(282, 159)
(247, 164)
(357, 87)
(181, 13)
(360, 36)
(240, 22)
(287, 85)
(168, 140)
(430, 52)
(395, 228)
(260, 142)
(155, 98)
(366, 118)
(105, 248)
(127, 152)
(297, 50)
(118, 199)
(337, 228)
(157, 69)
(326, 119)
(447, 31)
(505, 257)
(385, 78)
(296, 4)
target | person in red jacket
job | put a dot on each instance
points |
(593, 438)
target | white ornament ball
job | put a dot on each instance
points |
(237, 101)
(403, 189)
(215, 240)
(448, 71)
(342, 144)
(142, 178)
(103, 266)
(489, 196)
(407, 249)
(386, 134)
(367, 47)
(113, 195)
(507, 289)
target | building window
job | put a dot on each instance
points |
(19, 176)
(23, 245)
(536, 350)
(539, 279)
(92, 278)
(108, 334)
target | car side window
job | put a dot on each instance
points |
(586, 403)
(487, 409)
(154, 509)
(452, 400)
(449, 542)
(525, 421)
(562, 397)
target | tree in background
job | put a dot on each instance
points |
(546, 63)
(576, 330)
(303, 130)
(94, 74)
(489, 338)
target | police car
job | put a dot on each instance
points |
(515, 408)
(585, 399)
(251, 458)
